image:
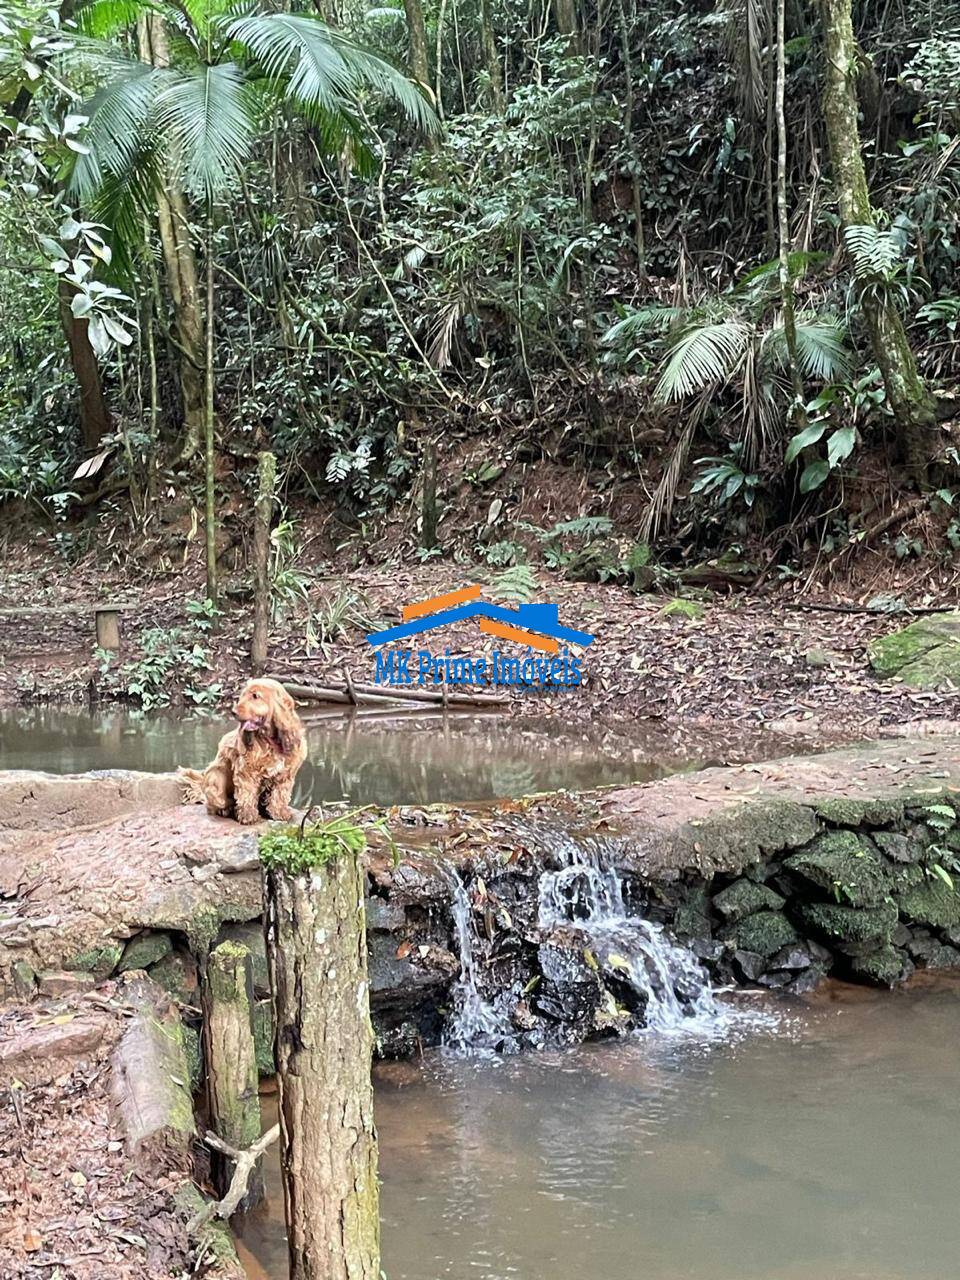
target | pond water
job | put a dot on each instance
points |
(408, 759)
(826, 1150)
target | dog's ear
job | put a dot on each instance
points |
(286, 722)
(288, 740)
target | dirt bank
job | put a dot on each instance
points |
(747, 662)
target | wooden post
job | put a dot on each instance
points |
(231, 1062)
(107, 622)
(428, 520)
(263, 513)
(316, 951)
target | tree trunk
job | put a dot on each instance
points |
(263, 513)
(316, 949)
(231, 1061)
(912, 405)
(417, 40)
(428, 514)
(209, 424)
(565, 16)
(94, 415)
(491, 58)
(181, 266)
(783, 227)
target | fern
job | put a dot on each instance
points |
(701, 356)
(516, 585)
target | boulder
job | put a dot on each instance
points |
(842, 865)
(926, 654)
(837, 924)
(144, 950)
(884, 967)
(744, 898)
(764, 933)
(932, 903)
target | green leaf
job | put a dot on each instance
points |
(814, 476)
(840, 445)
(701, 356)
(808, 436)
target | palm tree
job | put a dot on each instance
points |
(731, 351)
(190, 125)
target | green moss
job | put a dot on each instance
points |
(100, 961)
(686, 609)
(263, 1037)
(898, 847)
(885, 966)
(24, 979)
(177, 975)
(145, 950)
(294, 851)
(763, 933)
(931, 903)
(848, 924)
(214, 1239)
(842, 865)
(854, 811)
(190, 1039)
(744, 898)
(924, 654)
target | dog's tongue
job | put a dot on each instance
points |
(251, 725)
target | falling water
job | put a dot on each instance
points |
(587, 893)
(476, 1023)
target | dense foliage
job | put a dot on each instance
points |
(585, 219)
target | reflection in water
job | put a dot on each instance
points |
(825, 1152)
(455, 758)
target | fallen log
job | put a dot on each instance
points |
(352, 693)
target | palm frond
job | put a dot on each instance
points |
(702, 356)
(102, 18)
(745, 27)
(637, 324)
(209, 115)
(822, 353)
(119, 132)
(319, 68)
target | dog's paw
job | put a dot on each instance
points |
(247, 817)
(280, 813)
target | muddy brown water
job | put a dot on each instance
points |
(826, 1148)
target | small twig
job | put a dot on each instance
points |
(245, 1162)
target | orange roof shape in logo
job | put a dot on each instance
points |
(536, 625)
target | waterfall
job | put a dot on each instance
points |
(581, 913)
(476, 1023)
(587, 893)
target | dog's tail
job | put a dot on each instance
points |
(191, 782)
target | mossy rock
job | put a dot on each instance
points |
(100, 961)
(263, 1037)
(836, 923)
(925, 654)
(898, 847)
(144, 950)
(251, 937)
(931, 903)
(764, 933)
(193, 1054)
(841, 864)
(942, 957)
(884, 967)
(744, 898)
(687, 610)
(176, 973)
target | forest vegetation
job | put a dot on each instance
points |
(702, 256)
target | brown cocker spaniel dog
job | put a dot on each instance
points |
(257, 763)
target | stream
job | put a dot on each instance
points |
(809, 1140)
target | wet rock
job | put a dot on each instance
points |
(707, 950)
(764, 933)
(744, 898)
(53, 982)
(839, 924)
(385, 915)
(942, 957)
(925, 654)
(932, 903)
(792, 957)
(808, 980)
(884, 967)
(821, 954)
(774, 980)
(144, 950)
(897, 847)
(692, 917)
(749, 965)
(841, 863)
(569, 991)
(922, 944)
(901, 936)
(523, 1017)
